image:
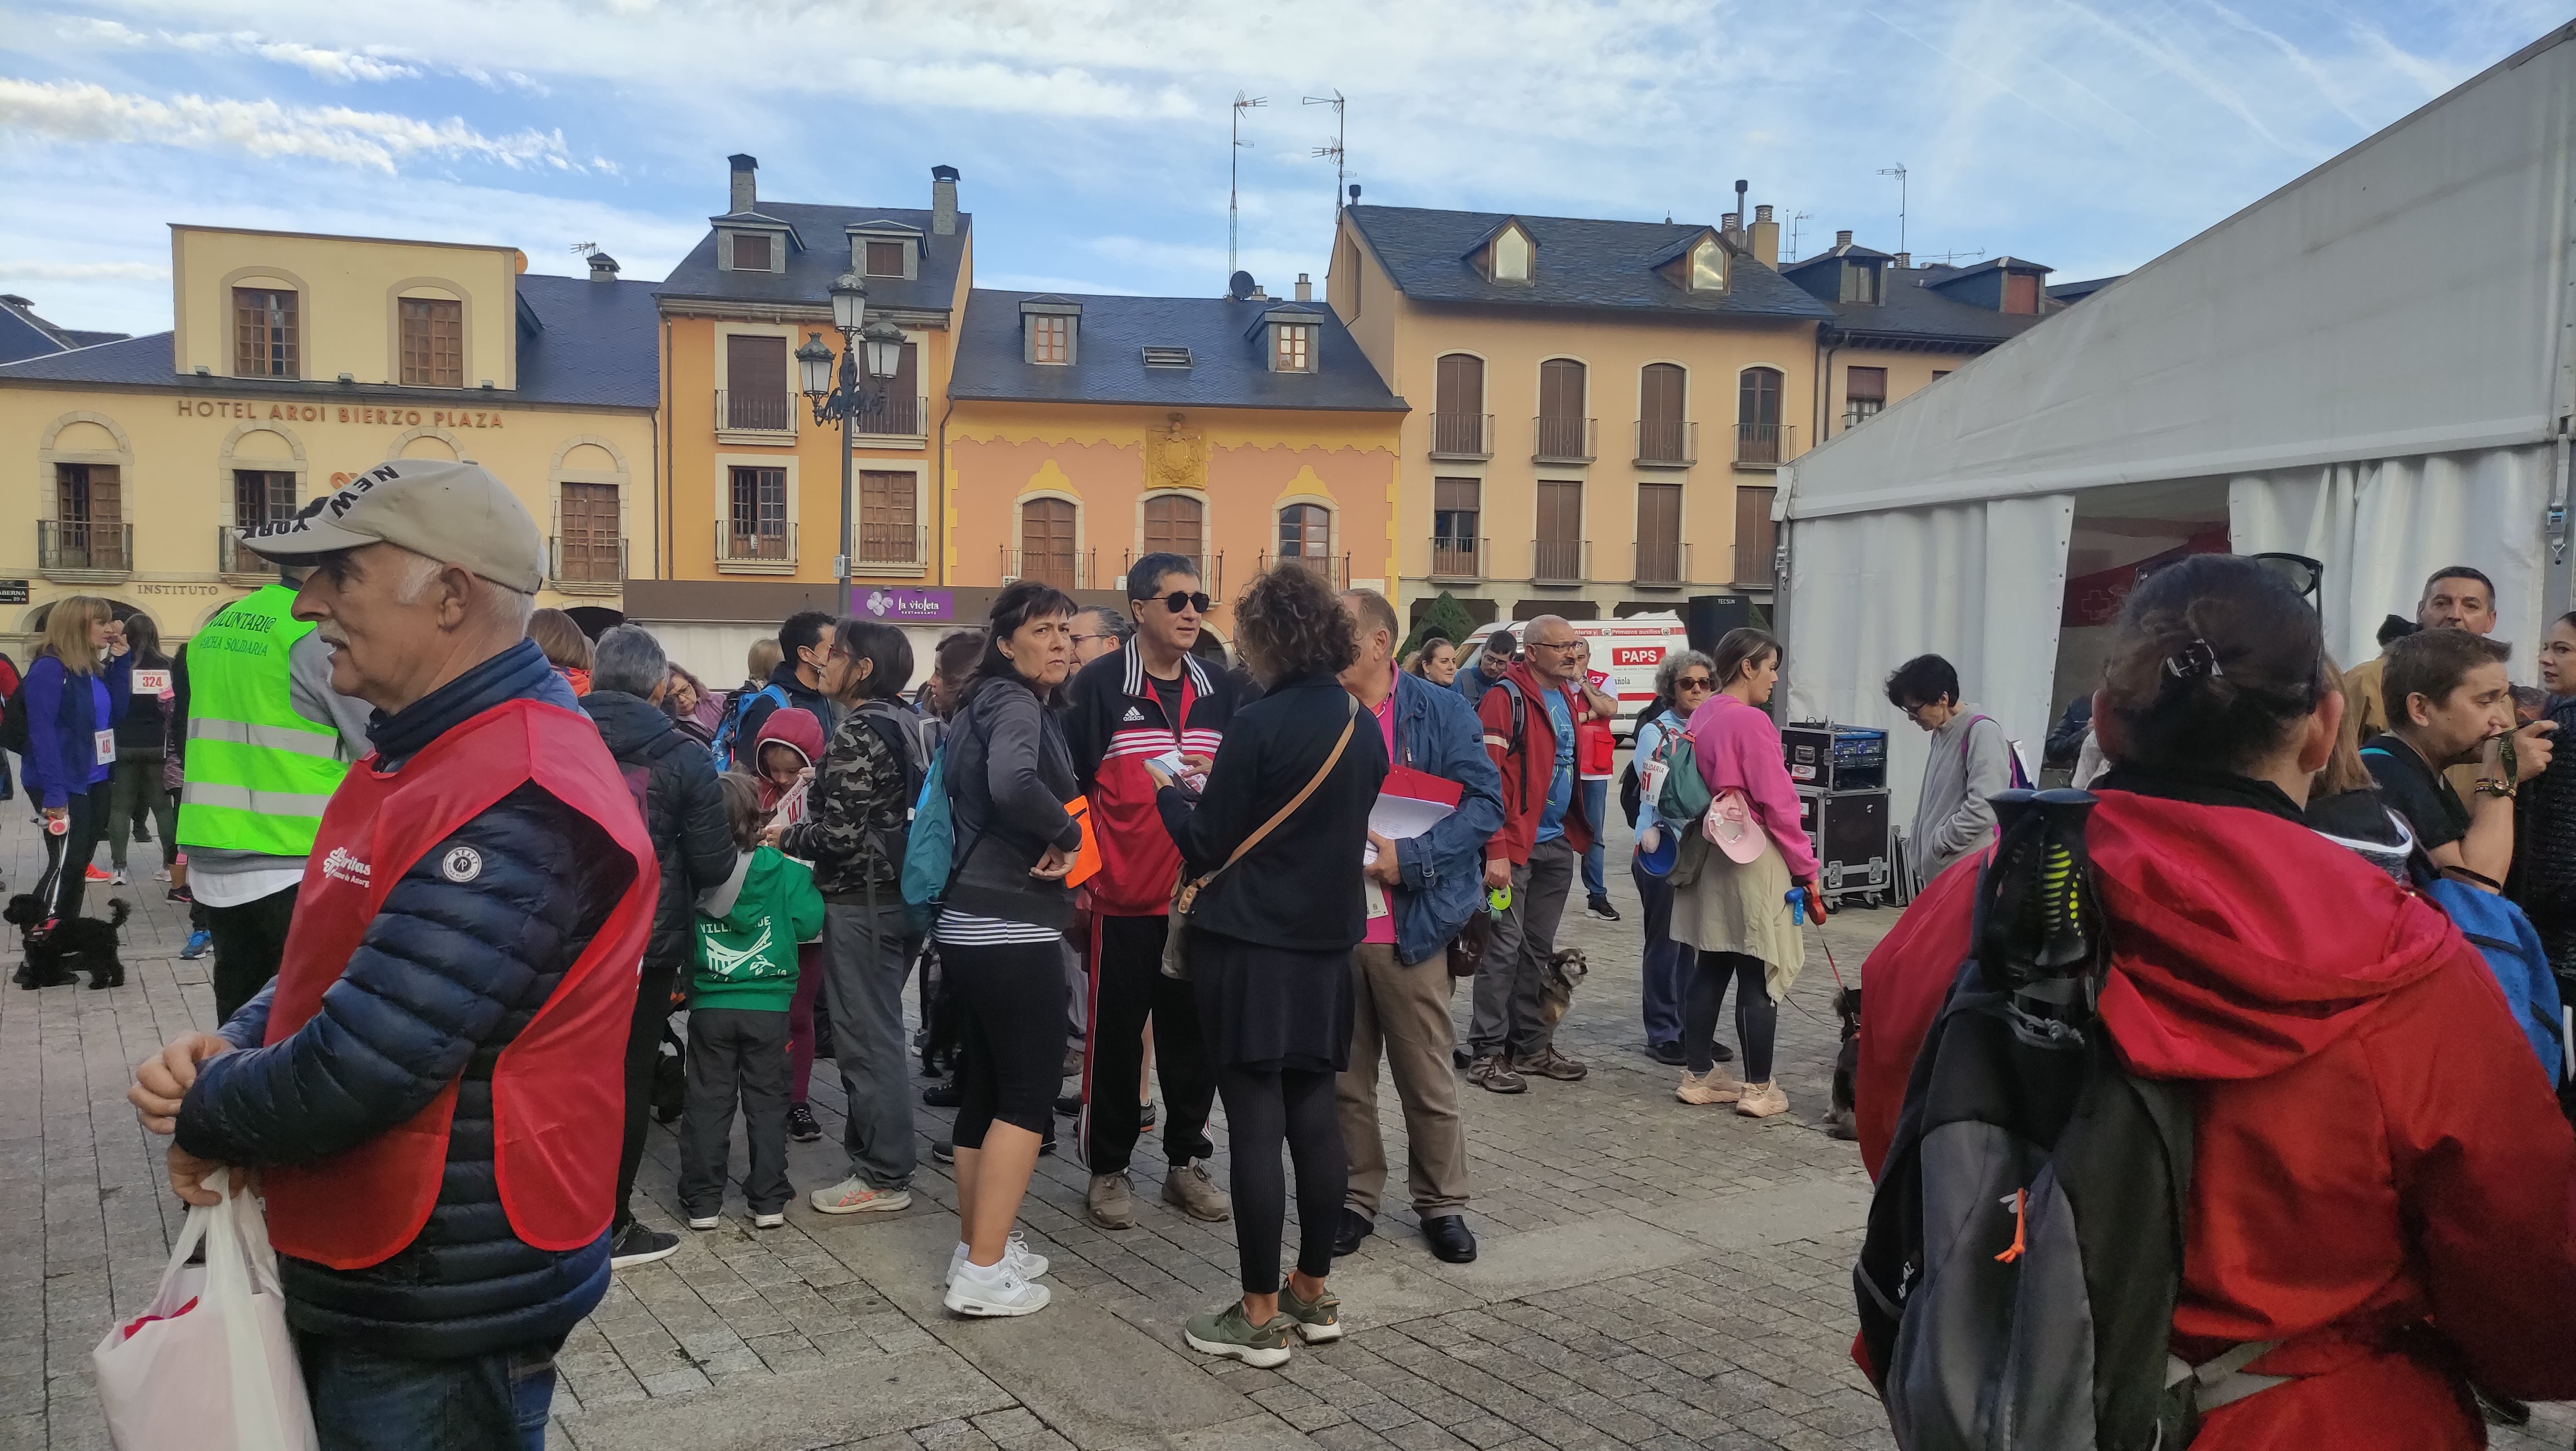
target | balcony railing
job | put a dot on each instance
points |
(1662, 562)
(234, 557)
(80, 545)
(1335, 568)
(1211, 568)
(898, 544)
(1462, 435)
(1560, 561)
(1455, 558)
(893, 416)
(1764, 445)
(761, 412)
(762, 549)
(585, 561)
(1063, 568)
(1563, 440)
(1667, 443)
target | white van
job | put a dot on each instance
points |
(1627, 650)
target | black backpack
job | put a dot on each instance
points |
(13, 723)
(2016, 1286)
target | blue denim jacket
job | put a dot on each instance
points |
(1444, 868)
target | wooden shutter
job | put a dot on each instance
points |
(1176, 523)
(1457, 507)
(1865, 383)
(433, 343)
(885, 259)
(1659, 533)
(1659, 393)
(1754, 535)
(1560, 388)
(1046, 542)
(1557, 552)
(1460, 385)
(756, 383)
(889, 517)
(750, 252)
(589, 523)
(903, 395)
(2021, 292)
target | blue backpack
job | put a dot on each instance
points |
(929, 856)
(731, 726)
(2505, 938)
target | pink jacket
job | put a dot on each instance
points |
(1739, 750)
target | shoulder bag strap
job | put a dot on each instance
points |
(1284, 812)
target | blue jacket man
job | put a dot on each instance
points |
(1422, 889)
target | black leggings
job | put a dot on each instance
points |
(67, 855)
(1010, 1021)
(1757, 1018)
(1263, 1109)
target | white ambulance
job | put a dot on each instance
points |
(1626, 650)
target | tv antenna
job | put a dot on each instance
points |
(1794, 219)
(1341, 124)
(1234, 175)
(584, 249)
(1950, 258)
(1898, 171)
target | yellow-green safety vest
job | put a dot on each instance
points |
(257, 774)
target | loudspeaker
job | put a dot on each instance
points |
(1711, 616)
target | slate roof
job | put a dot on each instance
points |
(824, 256)
(1227, 368)
(596, 343)
(25, 335)
(1915, 313)
(1580, 264)
(2078, 291)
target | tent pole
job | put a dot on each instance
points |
(2558, 581)
(1780, 559)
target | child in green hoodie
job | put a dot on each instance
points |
(742, 980)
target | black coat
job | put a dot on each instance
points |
(684, 813)
(1300, 887)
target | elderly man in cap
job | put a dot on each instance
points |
(430, 1089)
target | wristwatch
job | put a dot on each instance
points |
(2495, 788)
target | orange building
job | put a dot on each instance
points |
(1237, 431)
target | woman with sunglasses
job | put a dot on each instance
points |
(1735, 912)
(1683, 683)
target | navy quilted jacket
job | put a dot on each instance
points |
(446, 976)
(674, 780)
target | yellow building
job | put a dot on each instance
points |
(1599, 406)
(296, 361)
(1235, 431)
(1899, 328)
(755, 523)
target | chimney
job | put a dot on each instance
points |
(943, 201)
(603, 268)
(746, 194)
(1842, 239)
(1305, 288)
(1741, 210)
(1904, 260)
(1731, 223)
(1766, 237)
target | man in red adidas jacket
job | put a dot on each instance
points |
(1149, 698)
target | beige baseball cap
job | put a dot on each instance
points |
(455, 513)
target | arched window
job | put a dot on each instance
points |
(1662, 433)
(1046, 543)
(1460, 427)
(1564, 429)
(1176, 524)
(1759, 436)
(1306, 537)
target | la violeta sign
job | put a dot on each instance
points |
(898, 605)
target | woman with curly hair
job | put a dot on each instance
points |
(1283, 824)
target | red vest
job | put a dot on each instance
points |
(558, 1090)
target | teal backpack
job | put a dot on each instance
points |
(929, 856)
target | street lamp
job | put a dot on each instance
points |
(849, 397)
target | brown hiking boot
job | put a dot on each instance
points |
(1189, 1189)
(1494, 1075)
(1111, 1201)
(1548, 1063)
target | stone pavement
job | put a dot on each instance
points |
(1652, 1274)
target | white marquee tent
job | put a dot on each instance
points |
(2370, 367)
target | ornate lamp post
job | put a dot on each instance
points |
(849, 397)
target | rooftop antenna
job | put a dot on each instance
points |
(1234, 174)
(1341, 127)
(1948, 258)
(1794, 220)
(584, 249)
(1898, 171)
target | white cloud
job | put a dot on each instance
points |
(79, 111)
(84, 271)
(369, 63)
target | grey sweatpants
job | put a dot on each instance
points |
(868, 955)
(1510, 1014)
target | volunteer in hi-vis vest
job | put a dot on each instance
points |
(264, 743)
(431, 1088)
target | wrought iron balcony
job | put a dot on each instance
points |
(1669, 443)
(1462, 435)
(1563, 440)
(79, 546)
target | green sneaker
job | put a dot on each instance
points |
(1230, 1332)
(1316, 1322)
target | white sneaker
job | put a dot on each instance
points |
(998, 1291)
(119, 878)
(162, 875)
(1015, 1253)
(704, 1221)
(853, 1196)
(767, 1221)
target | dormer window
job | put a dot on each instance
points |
(2021, 293)
(1694, 262)
(1512, 254)
(1050, 331)
(1708, 266)
(751, 252)
(885, 248)
(884, 259)
(1860, 282)
(1292, 347)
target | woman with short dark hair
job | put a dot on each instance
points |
(1283, 824)
(134, 788)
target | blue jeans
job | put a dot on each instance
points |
(367, 1401)
(1667, 964)
(1596, 809)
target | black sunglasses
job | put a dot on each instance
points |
(1694, 682)
(1181, 599)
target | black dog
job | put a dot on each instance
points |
(1843, 1122)
(86, 938)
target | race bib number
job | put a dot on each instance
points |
(1377, 904)
(151, 682)
(105, 744)
(1651, 779)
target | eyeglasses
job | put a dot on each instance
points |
(1694, 682)
(1559, 645)
(1087, 639)
(1182, 599)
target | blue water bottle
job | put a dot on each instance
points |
(1797, 906)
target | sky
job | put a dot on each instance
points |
(1093, 134)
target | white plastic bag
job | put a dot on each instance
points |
(210, 1366)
